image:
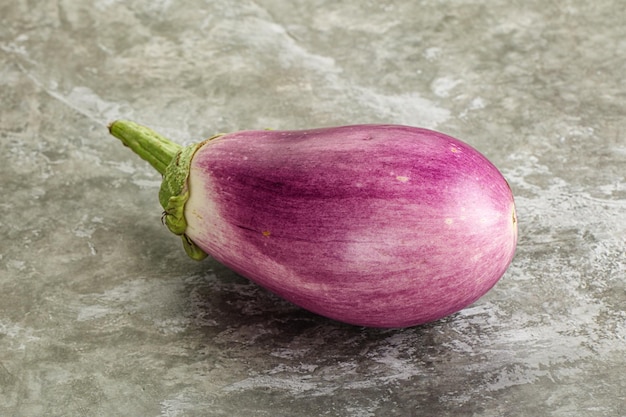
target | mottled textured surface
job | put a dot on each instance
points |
(101, 312)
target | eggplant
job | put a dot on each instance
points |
(371, 225)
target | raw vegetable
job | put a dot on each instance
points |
(374, 225)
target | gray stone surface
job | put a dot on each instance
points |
(101, 312)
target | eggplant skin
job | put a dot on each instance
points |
(373, 225)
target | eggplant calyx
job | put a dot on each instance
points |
(173, 195)
(173, 162)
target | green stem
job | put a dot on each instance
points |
(173, 162)
(149, 145)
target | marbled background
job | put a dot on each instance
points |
(102, 313)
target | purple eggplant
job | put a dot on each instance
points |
(373, 225)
